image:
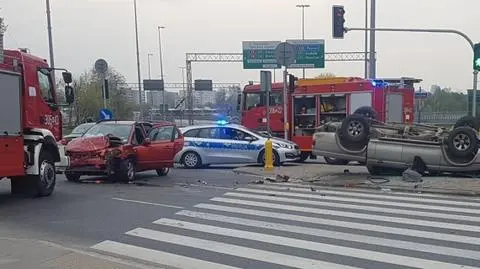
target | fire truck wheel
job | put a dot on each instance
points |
(366, 111)
(462, 142)
(469, 121)
(72, 177)
(335, 161)
(45, 181)
(355, 128)
(126, 171)
(276, 158)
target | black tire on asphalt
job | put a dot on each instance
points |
(191, 160)
(304, 156)
(366, 111)
(276, 158)
(72, 177)
(335, 161)
(126, 170)
(468, 121)
(355, 128)
(44, 183)
(462, 142)
(163, 171)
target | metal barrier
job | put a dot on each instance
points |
(439, 117)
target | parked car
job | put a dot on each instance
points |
(77, 132)
(231, 144)
(120, 149)
(396, 147)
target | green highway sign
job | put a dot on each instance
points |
(259, 54)
(310, 53)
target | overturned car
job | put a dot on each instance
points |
(387, 148)
(120, 149)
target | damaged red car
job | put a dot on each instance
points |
(120, 149)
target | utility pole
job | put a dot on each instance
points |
(161, 68)
(303, 27)
(366, 39)
(139, 76)
(50, 39)
(372, 61)
(149, 66)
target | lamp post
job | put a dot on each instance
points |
(139, 77)
(303, 26)
(161, 67)
(50, 38)
(184, 93)
(149, 66)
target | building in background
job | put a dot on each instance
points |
(200, 98)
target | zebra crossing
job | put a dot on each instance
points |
(294, 226)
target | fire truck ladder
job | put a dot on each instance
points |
(219, 57)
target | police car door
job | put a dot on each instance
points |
(237, 148)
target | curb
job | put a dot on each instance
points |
(376, 187)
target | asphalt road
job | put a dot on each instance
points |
(179, 221)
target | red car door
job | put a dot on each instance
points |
(162, 145)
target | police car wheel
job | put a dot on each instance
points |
(275, 157)
(191, 160)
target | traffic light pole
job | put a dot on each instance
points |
(286, 126)
(444, 31)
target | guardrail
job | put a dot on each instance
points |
(439, 117)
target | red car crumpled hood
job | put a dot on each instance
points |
(88, 144)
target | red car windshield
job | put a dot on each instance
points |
(121, 131)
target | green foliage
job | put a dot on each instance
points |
(445, 100)
(89, 101)
(325, 75)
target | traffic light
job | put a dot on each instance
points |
(476, 57)
(291, 83)
(338, 13)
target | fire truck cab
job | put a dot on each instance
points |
(313, 102)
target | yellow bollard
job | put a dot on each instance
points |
(268, 155)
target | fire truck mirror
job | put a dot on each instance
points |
(69, 94)
(67, 77)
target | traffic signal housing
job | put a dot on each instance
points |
(476, 57)
(106, 90)
(291, 83)
(338, 21)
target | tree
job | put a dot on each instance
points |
(88, 88)
(445, 100)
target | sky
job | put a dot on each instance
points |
(85, 30)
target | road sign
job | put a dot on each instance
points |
(310, 53)
(101, 66)
(203, 85)
(153, 85)
(285, 54)
(266, 81)
(421, 95)
(106, 114)
(259, 54)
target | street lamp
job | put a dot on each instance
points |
(149, 66)
(138, 58)
(184, 93)
(161, 67)
(303, 25)
(50, 38)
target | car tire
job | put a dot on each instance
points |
(163, 171)
(468, 121)
(304, 156)
(44, 183)
(72, 177)
(276, 158)
(335, 161)
(462, 142)
(355, 128)
(366, 111)
(191, 160)
(127, 170)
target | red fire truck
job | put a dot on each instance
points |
(312, 102)
(30, 121)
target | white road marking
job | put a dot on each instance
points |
(146, 203)
(156, 256)
(409, 221)
(239, 251)
(309, 245)
(358, 207)
(363, 201)
(345, 224)
(379, 196)
(365, 239)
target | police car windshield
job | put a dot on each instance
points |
(121, 131)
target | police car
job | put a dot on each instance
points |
(224, 143)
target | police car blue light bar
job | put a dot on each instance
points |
(222, 122)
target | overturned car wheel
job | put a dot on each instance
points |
(462, 142)
(335, 161)
(468, 121)
(366, 111)
(355, 128)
